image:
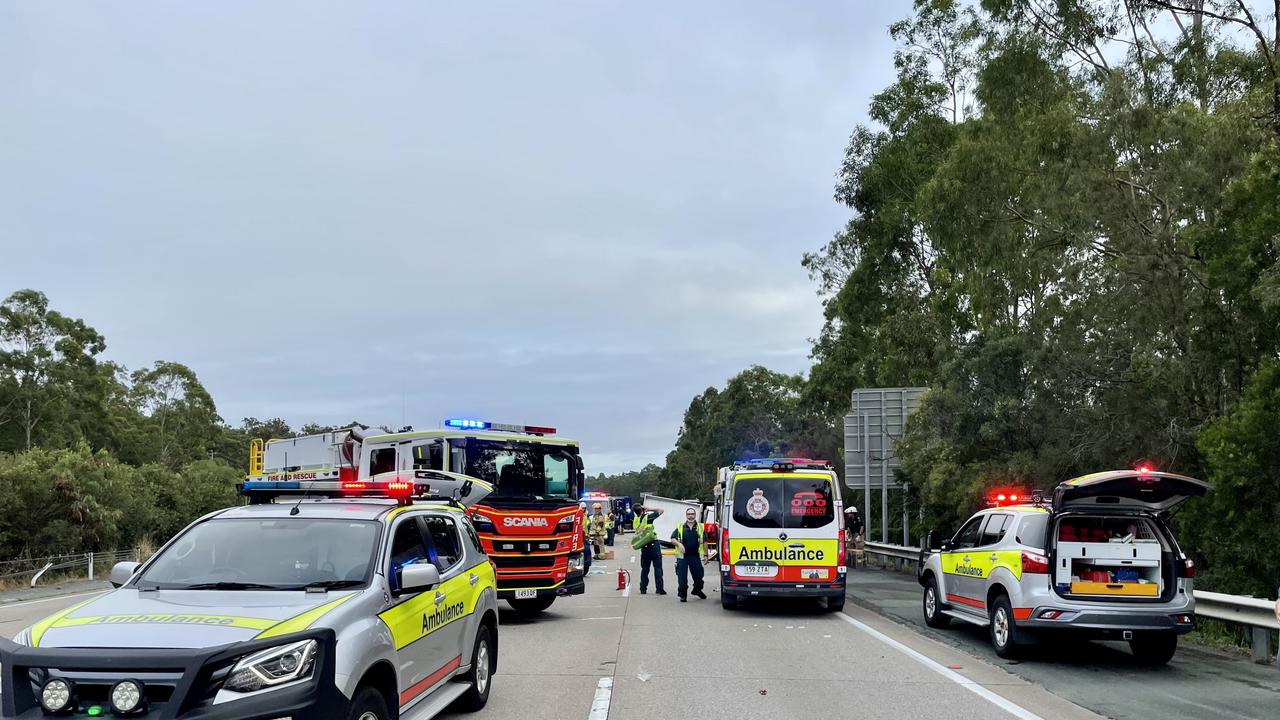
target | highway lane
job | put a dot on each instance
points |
(1103, 677)
(660, 658)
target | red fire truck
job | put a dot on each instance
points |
(531, 525)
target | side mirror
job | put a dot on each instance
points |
(122, 572)
(465, 490)
(418, 577)
(944, 546)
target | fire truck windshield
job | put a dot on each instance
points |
(521, 470)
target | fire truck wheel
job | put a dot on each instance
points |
(532, 607)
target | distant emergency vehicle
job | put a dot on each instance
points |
(780, 533)
(530, 526)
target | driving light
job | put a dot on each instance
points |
(575, 562)
(273, 666)
(58, 696)
(127, 697)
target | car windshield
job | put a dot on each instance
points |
(277, 554)
(774, 502)
(523, 470)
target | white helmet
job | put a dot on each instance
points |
(851, 509)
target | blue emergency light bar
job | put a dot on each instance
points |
(782, 464)
(468, 424)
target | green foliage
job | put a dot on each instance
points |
(78, 500)
(1233, 530)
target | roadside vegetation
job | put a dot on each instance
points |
(1065, 221)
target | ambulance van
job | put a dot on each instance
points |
(781, 531)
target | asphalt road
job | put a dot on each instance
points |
(1198, 683)
(658, 658)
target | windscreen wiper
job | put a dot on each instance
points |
(327, 585)
(230, 586)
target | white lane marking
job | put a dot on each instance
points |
(5, 606)
(600, 705)
(1004, 704)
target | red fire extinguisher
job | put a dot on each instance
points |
(624, 578)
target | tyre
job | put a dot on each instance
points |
(931, 604)
(1153, 648)
(369, 705)
(728, 601)
(835, 604)
(484, 661)
(532, 606)
(1003, 630)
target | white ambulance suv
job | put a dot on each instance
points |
(781, 531)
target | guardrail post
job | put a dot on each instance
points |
(1261, 645)
(91, 566)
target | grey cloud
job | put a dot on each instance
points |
(579, 213)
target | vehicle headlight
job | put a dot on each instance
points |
(565, 524)
(484, 526)
(575, 562)
(273, 666)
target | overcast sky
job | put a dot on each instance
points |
(579, 214)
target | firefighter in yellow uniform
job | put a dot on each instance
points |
(597, 529)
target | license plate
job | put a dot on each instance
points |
(526, 594)
(756, 570)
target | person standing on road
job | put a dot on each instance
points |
(689, 542)
(853, 534)
(610, 527)
(596, 529)
(650, 552)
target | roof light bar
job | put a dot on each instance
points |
(469, 424)
(782, 464)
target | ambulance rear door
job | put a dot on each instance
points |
(783, 527)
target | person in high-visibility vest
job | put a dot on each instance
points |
(612, 521)
(596, 531)
(651, 552)
(691, 545)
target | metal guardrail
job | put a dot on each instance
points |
(1260, 615)
(38, 566)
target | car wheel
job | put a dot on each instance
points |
(532, 606)
(369, 705)
(835, 604)
(1154, 648)
(932, 606)
(728, 601)
(1003, 629)
(484, 662)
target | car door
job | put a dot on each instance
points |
(412, 617)
(987, 556)
(456, 597)
(962, 591)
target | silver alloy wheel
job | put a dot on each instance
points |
(482, 666)
(930, 602)
(1000, 627)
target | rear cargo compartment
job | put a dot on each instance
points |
(1109, 557)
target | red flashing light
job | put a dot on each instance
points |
(399, 487)
(354, 486)
(1000, 497)
(1013, 498)
(1144, 469)
(539, 430)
